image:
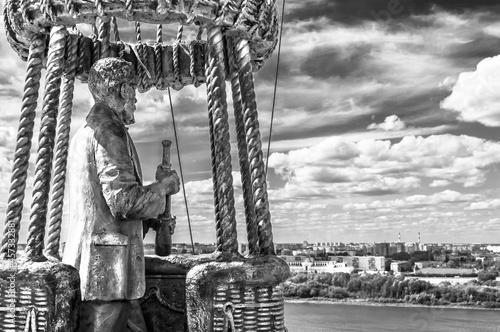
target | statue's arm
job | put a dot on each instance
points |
(123, 194)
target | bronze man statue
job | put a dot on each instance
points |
(108, 203)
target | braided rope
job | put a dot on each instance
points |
(61, 153)
(99, 7)
(254, 144)
(71, 7)
(23, 146)
(41, 187)
(24, 10)
(96, 46)
(159, 34)
(192, 60)
(216, 93)
(116, 32)
(47, 8)
(104, 35)
(212, 150)
(158, 57)
(129, 6)
(175, 53)
(16, 45)
(246, 181)
(140, 52)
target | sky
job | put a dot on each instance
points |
(386, 122)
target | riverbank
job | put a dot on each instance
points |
(375, 303)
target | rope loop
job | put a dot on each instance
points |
(229, 318)
(31, 320)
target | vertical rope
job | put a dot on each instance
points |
(96, 54)
(129, 6)
(216, 95)
(23, 146)
(116, 32)
(104, 36)
(61, 151)
(246, 181)
(41, 187)
(275, 85)
(158, 56)
(254, 144)
(175, 60)
(212, 150)
(159, 34)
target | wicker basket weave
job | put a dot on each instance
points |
(254, 308)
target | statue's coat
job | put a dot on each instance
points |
(107, 204)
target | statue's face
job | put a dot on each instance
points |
(127, 93)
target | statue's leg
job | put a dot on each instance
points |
(102, 316)
(136, 322)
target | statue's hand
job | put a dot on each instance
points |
(148, 224)
(168, 179)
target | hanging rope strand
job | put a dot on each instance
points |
(216, 95)
(116, 31)
(246, 182)
(61, 151)
(180, 169)
(41, 187)
(104, 35)
(258, 173)
(158, 57)
(275, 85)
(23, 146)
(212, 149)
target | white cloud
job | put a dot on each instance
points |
(439, 183)
(391, 123)
(484, 205)
(475, 94)
(336, 167)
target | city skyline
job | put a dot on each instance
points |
(386, 121)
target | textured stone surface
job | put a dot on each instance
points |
(49, 285)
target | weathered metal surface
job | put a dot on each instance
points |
(164, 304)
(255, 20)
(108, 201)
(46, 295)
(256, 278)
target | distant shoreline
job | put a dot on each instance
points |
(371, 302)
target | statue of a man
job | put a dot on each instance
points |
(108, 204)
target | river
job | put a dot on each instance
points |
(308, 317)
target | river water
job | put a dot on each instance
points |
(308, 317)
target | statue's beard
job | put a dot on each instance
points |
(128, 114)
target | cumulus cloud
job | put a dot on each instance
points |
(338, 167)
(439, 183)
(475, 95)
(391, 123)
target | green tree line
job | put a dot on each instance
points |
(388, 288)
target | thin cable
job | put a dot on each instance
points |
(275, 84)
(180, 168)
